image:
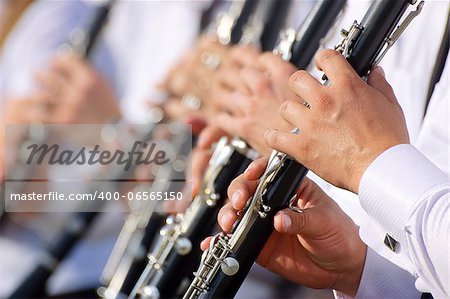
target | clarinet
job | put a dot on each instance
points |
(229, 258)
(227, 261)
(274, 22)
(128, 257)
(174, 256)
(122, 271)
(264, 26)
(82, 42)
(34, 284)
(231, 26)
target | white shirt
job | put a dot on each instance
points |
(141, 41)
(402, 193)
(409, 197)
(408, 66)
(33, 41)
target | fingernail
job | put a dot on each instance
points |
(235, 197)
(286, 221)
(224, 219)
(269, 134)
(294, 78)
(195, 185)
(201, 141)
(381, 70)
(250, 167)
(235, 95)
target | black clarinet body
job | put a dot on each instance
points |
(248, 9)
(138, 265)
(280, 193)
(83, 42)
(315, 27)
(181, 266)
(274, 23)
(178, 265)
(34, 284)
(174, 256)
(128, 258)
(229, 258)
(378, 24)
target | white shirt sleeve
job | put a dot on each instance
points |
(410, 198)
(382, 279)
(34, 40)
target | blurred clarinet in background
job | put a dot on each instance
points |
(128, 257)
(81, 42)
(175, 253)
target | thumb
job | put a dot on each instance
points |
(377, 80)
(290, 222)
(310, 222)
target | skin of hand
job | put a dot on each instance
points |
(73, 92)
(318, 247)
(194, 77)
(24, 110)
(2, 152)
(185, 76)
(252, 110)
(348, 124)
(16, 111)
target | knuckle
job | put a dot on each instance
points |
(305, 149)
(324, 101)
(349, 81)
(245, 128)
(288, 69)
(266, 56)
(302, 220)
(86, 84)
(284, 108)
(275, 139)
(262, 85)
(326, 55)
(298, 76)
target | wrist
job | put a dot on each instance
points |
(358, 174)
(348, 281)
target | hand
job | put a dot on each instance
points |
(195, 77)
(318, 247)
(252, 110)
(16, 111)
(349, 124)
(176, 110)
(24, 111)
(188, 74)
(73, 92)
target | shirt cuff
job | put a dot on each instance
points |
(392, 185)
(383, 279)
